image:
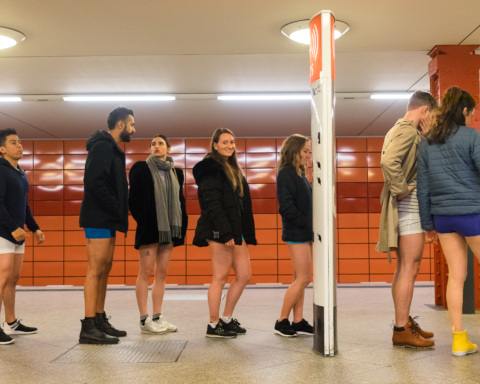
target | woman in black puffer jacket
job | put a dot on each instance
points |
(158, 206)
(226, 224)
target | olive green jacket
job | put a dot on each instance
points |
(399, 167)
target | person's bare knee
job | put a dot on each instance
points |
(220, 279)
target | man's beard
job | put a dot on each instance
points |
(125, 136)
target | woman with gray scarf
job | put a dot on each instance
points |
(157, 204)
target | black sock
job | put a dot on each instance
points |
(89, 318)
(12, 322)
(101, 314)
(398, 329)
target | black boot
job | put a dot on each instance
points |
(91, 334)
(106, 327)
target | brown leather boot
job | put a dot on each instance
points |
(410, 338)
(420, 331)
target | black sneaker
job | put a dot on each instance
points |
(220, 331)
(17, 328)
(106, 327)
(91, 334)
(234, 326)
(303, 328)
(4, 338)
(283, 328)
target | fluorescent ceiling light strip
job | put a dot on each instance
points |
(10, 98)
(385, 96)
(264, 97)
(120, 98)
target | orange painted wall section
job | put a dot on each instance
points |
(55, 172)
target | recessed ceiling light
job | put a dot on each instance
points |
(5, 99)
(396, 95)
(10, 37)
(265, 97)
(120, 98)
(299, 31)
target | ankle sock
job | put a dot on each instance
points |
(89, 318)
(156, 316)
(398, 329)
(100, 314)
(213, 325)
(143, 318)
(226, 319)
(13, 323)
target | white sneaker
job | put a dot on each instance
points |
(165, 324)
(152, 327)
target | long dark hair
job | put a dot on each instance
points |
(450, 116)
(290, 152)
(230, 165)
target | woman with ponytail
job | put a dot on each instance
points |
(226, 225)
(449, 197)
(157, 204)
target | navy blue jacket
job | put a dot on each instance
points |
(14, 209)
(105, 202)
(448, 176)
(294, 195)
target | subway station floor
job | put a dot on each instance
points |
(366, 355)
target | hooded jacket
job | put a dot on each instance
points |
(142, 205)
(14, 209)
(225, 215)
(105, 201)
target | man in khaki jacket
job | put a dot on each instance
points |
(400, 228)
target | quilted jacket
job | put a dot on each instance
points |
(448, 176)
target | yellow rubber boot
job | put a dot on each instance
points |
(461, 345)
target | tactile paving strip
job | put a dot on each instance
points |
(125, 352)
(187, 296)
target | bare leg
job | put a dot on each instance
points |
(6, 269)
(301, 255)
(9, 293)
(409, 258)
(102, 294)
(100, 254)
(298, 306)
(243, 274)
(455, 250)
(147, 255)
(222, 261)
(164, 254)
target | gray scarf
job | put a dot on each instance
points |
(167, 201)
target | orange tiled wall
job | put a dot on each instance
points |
(55, 171)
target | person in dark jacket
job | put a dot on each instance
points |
(226, 224)
(104, 211)
(158, 206)
(14, 214)
(449, 198)
(294, 194)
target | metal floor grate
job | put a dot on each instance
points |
(125, 352)
(187, 296)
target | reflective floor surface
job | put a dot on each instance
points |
(365, 353)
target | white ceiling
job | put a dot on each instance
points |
(211, 47)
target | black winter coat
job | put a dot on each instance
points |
(142, 205)
(225, 215)
(14, 208)
(105, 202)
(294, 195)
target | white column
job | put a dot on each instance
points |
(322, 76)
